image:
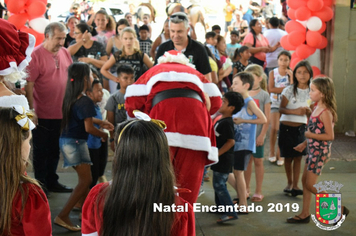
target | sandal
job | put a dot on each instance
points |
(257, 198)
(280, 162)
(297, 219)
(272, 159)
(237, 200)
(225, 218)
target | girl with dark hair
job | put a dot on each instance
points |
(279, 78)
(126, 205)
(24, 207)
(84, 49)
(295, 111)
(258, 43)
(244, 55)
(78, 112)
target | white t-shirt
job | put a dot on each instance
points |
(300, 100)
(273, 36)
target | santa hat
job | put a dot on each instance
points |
(15, 51)
(174, 56)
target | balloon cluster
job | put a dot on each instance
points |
(32, 11)
(308, 22)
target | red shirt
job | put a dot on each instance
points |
(49, 73)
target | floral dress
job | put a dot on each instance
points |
(318, 151)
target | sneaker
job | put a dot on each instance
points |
(201, 192)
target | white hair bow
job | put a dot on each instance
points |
(24, 118)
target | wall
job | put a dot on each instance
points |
(344, 65)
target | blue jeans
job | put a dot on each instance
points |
(222, 196)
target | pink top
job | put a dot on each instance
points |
(259, 43)
(49, 73)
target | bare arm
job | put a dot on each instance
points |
(300, 111)
(261, 138)
(226, 147)
(111, 119)
(254, 50)
(73, 49)
(147, 61)
(214, 77)
(271, 84)
(109, 46)
(261, 118)
(91, 129)
(223, 73)
(105, 69)
(208, 76)
(29, 93)
(155, 44)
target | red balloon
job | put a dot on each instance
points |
(325, 14)
(315, 5)
(323, 43)
(39, 39)
(303, 13)
(286, 45)
(304, 51)
(296, 38)
(313, 39)
(295, 4)
(15, 6)
(316, 71)
(294, 61)
(291, 14)
(323, 28)
(36, 9)
(293, 25)
(18, 20)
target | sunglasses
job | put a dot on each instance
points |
(181, 17)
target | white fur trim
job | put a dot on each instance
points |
(179, 58)
(91, 234)
(193, 142)
(135, 90)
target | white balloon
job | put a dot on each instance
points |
(314, 23)
(303, 23)
(39, 24)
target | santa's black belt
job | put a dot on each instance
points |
(175, 93)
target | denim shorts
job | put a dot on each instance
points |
(74, 151)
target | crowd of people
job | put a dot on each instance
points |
(170, 108)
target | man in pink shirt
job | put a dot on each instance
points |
(45, 90)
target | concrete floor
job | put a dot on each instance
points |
(341, 168)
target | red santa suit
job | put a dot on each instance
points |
(189, 130)
(93, 207)
(35, 214)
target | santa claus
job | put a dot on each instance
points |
(173, 91)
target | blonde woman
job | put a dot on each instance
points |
(129, 54)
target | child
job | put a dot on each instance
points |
(78, 112)
(115, 106)
(319, 138)
(245, 133)
(261, 97)
(116, 208)
(211, 41)
(145, 41)
(146, 19)
(128, 55)
(224, 131)
(21, 196)
(216, 29)
(279, 78)
(295, 110)
(98, 148)
(105, 27)
(224, 71)
(244, 59)
(233, 45)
